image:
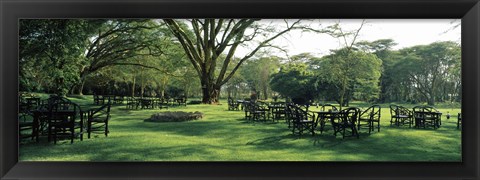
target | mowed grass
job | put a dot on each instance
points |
(225, 136)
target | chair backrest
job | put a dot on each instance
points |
(419, 111)
(231, 102)
(290, 111)
(396, 110)
(57, 107)
(300, 114)
(350, 115)
(393, 109)
(52, 100)
(373, 112)
(101, 112)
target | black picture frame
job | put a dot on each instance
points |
(11, 11)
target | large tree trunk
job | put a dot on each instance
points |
(431, 101)
(80, 87)
(210, 93)
(265, 91)
(133, 87)
(212, 38)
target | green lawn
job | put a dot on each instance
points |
(225, 136)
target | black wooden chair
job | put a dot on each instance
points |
(345, 120)
(302, 121)
(64, 118)
(400, 116)
(289, 114)
(459, 121)
(258, 112)
(232, 105)
(27, 128)
(97, 120)
(369, 117)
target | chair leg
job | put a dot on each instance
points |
(371, 127)
(106, 129)
(312, 129)
(72, 135)
(356, 132)
(378, 126)
(89, 128)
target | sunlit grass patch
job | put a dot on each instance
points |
(223, 135)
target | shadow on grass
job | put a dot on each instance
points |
(226, 135)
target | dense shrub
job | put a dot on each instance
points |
(176, 116)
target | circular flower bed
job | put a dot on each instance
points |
(176, 116)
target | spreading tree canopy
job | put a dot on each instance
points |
(204, 40)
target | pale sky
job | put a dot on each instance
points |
(405, 32)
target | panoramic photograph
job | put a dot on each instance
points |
(323, 90)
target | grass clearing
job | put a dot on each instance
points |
(225, 136)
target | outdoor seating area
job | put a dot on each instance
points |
(59, 118)
(301, 119)
(323, 123)
(348, 122)
(141, 102)
(236, 90)
(419, 117)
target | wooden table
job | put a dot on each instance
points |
(422, 116)
(323, 115)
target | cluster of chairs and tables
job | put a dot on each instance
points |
(141, 102)
(103, 99)
(419, 116)
(57, 117)
(301, 120)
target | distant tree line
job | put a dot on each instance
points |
(196, 57)
(374, 72)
